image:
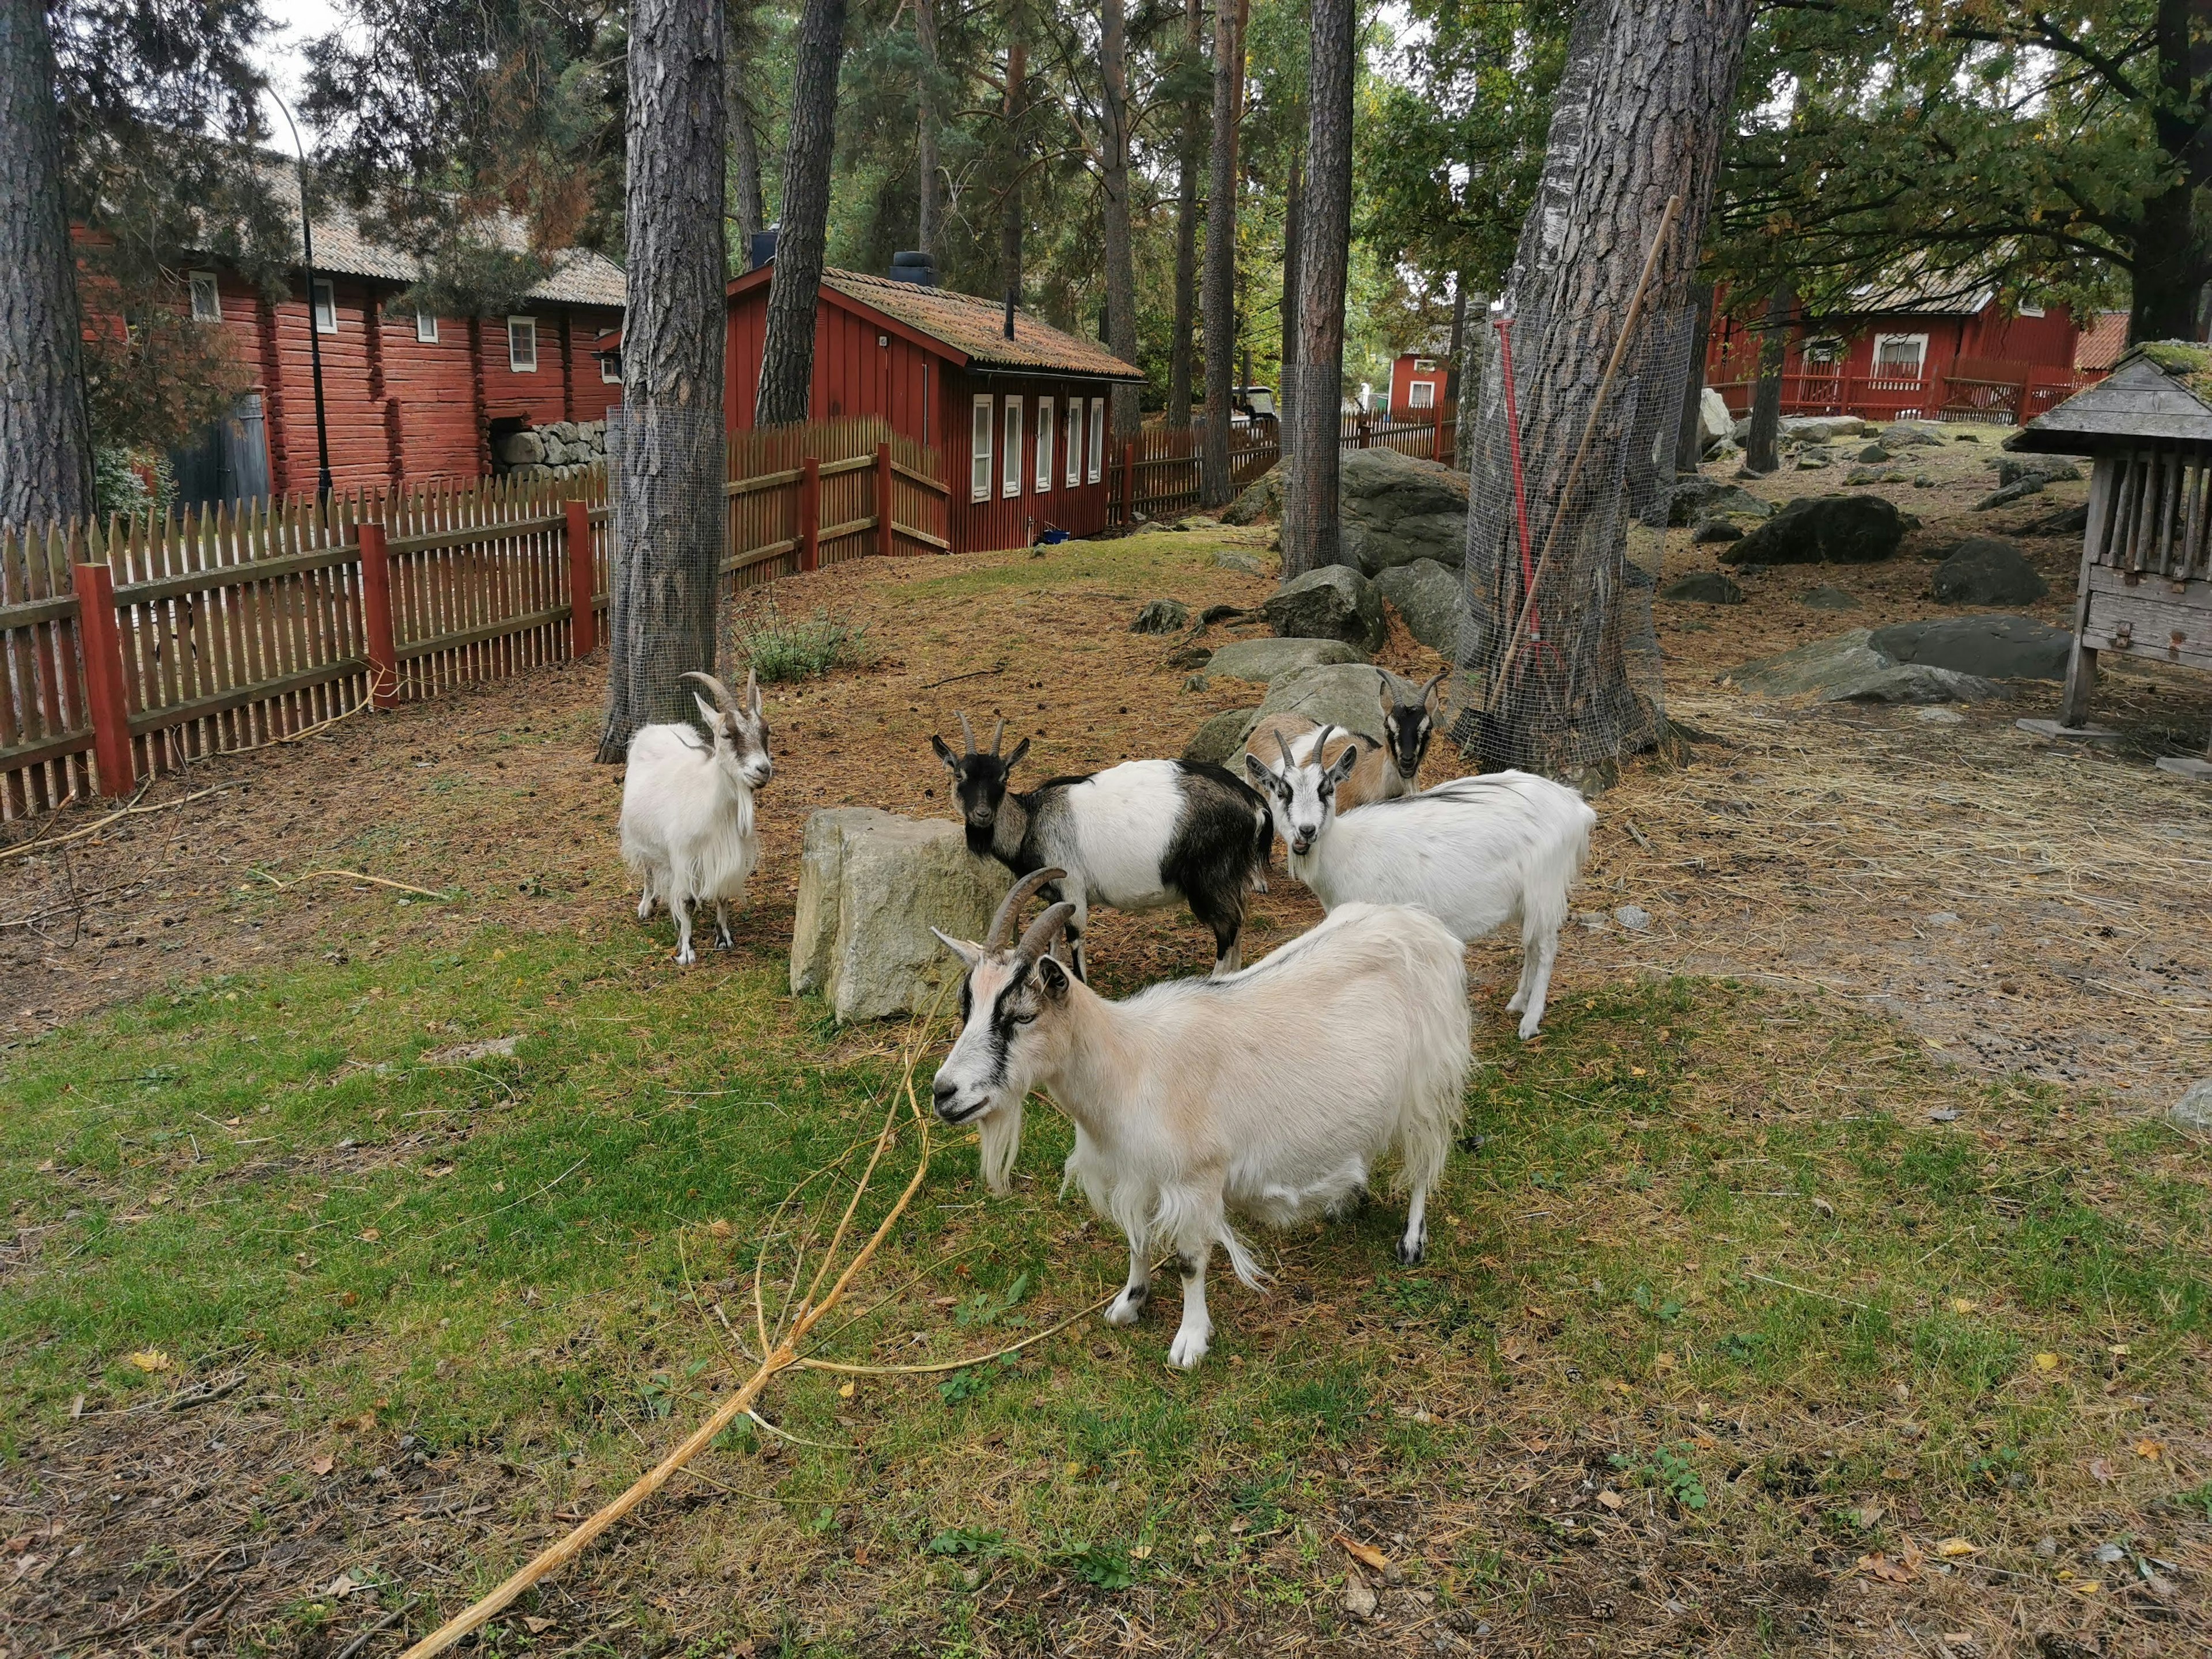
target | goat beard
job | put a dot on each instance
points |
(1000, 1137)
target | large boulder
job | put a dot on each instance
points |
(1432, 598)
(2006, 495)
(2051, 468)
(1334, 602)
(1700, 500)
(520, 449)
(1161, 616)
(1985, 570)
(1270, 659)
(1219, 737)
(1821, 428)
(1343, 695)
(1714, 421)
(1995, 648)
(1824, 529)
(871, 886)
(1395, 508)
(1702, 587)
(1906, 435)
(1262, 499)
(1849, 669)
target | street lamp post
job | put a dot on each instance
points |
(314, 327)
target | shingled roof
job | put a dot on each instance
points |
(2160, 390)
(974, 330)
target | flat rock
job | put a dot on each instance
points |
(1902, 435)
(1161, 616)
(1217, 739)
(1824, 529)
(1696, 499)
(871, 886)
(1230, 559)
(1333, 603)
(1995, 648)
(1824, 598)
(1872, 452)
(1270, 659)
(1433, 599)
(1708, 532)
(1633, 917)
(1848, 669)
(2051, 469)
(1821, 428)
(2194, 1109)
(2009, 494)
(1704, 588)
(2067, 521)
(1985, 570)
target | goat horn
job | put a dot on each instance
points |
(966, 732)
(1042, 933)
(1442, 674)
(1284, 744)
(721, 692)
(1002, 924)
(997, 732)
(1321, 747)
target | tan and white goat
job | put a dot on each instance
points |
(1383, 771)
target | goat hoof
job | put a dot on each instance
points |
(686, 957)
(1411, 1250)
(1516, 1003)
(1125, 1308)
(1528, 1026)
(645, 909)
(1188, 1349)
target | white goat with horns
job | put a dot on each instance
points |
(1272, 1092)
(687, 809)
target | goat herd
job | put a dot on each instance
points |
(1270, 1090)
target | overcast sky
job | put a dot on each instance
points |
(297, 22)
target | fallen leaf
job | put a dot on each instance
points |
(323, 1465)
(367, 1423)
(2149, 1448)
(1960, 1304)
(1142, 1552)
(536, 1625)
(1870, 1513)
(720, 1230)
(846, 1392)
(1610, 1498)
(1954, 1547)
(1366, 1554)
(1512, 1348)
(1886, 1570)
(341, 1587)
(2046, 1362)
(2086, 1586)
(2101, 1468)
(369, 1235)
(1199, 1540)
(151, 1360)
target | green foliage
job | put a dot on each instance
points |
(1102, 1567)
(972, 1382)
(1669, 1469)
(778, 649)
(131, 482)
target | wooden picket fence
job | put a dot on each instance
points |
(1163, 470)
(131, 649)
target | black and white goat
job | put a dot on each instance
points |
(1272, 1093)
(1135, 836)
(687, 809)
(1383, 771)
(1477, 853)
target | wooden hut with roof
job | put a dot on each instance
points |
(1016, 407)
(2146, 586)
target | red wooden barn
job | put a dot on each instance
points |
(407, 399)
(1020, 418)
(1421, 382)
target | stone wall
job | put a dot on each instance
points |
(560, 449)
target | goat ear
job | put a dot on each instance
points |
(708, 713)
(1051, 976)
(971, 954)
(1020, 750)
(945, 753)
(1344, 763)
(1259, 770)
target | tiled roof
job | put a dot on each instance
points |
(977, 328)
(2103, 342)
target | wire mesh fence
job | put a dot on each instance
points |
(1559, 666)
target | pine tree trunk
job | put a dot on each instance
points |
(1571, 683)
(747, 206)
(1689, 445)
(1293, 239)
(2173, 238)
(46, 440)
(1762, 444)
(924, 138)
(1010, 204)
(1219, 288)
(786, 377)
(670, 464)
(1120, 265)
(1474, 364)
(1186, 271)
(1311, 534)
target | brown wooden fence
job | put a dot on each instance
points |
(1164, 469)
(130, 649)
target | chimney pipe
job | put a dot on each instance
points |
(1010, 314)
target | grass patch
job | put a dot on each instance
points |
(778, 649)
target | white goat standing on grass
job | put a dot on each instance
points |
(687, 810)
(1272, 1092)
(1477, 853)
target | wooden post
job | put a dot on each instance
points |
(1129, 482)
(376, 617)
(809, 514)
(1437, 447)
(884, 546)
(106, 696)
(583, 582)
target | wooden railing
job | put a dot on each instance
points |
(2004, 402)
(131, 649)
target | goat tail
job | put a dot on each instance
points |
(1241, 1262)
(1263, 848)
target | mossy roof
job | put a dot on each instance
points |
(2159, 391)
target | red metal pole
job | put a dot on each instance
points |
(883, 545)
(1505, 327)
(810, 515)
(583, 582)
(106, 695)
(376, 617)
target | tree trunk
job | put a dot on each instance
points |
(1219, 301)
(1567, 681)
(1311, 535)
(786, 377)
(747, 205)
(925, 138)
(1293, 239)
(2173, 247)
(1010, 203)
(1474, 361)
(669, 464)
(1186, 271)
(1120, 265)
(1689, 444)
(1761, 449)
(46, 438)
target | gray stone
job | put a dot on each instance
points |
(2009, 494)
(1230, 559)
(521, 448)
(1739, 429)
(1438, 536)
(1708, 532)
(2067, 521)
(1333, 603)
(1984, 570)
(1343, 695)
(1633, 917)
(1936, 715)
(1813, 460)
(1821, 428)
(1396, 509)
(1695, 499)
(1218, 739)
(1995, 648)
(1161, 616)
(1824, 598)
(1903, 434)
(1714, 421)
(564, 430)
(1848, 669)
(1431, 598)
(1262, 500)
(2051, 469)
(1824, 529)
(2194, 1109)
(1874, 452)
(1726, 450)
(1704, 588)
(871, 886)
(1268, 660)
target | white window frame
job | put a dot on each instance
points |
(1074, 440)
(983, 433)
(203, 285)
(1424, 364)
(610, 368)
(324, 306)
(514, 363)
(1421, 394)
(1823, 349)
(2027, 310)
(1097, 469)
(1044, 446)
(426, 326)
(1010, 462)
(1877, 369)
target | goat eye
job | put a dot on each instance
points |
(1029, 1018)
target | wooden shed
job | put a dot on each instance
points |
(2146, 586)
(1018, 411)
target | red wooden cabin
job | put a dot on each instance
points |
(1020, 420)
(1421, 382)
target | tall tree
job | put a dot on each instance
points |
(1220, 282)
(747, 206)
(787, 376)
(1013, 106)
(926, 162)
(1121, 267)
(1311, 534)
(1293, 241)
(1190, 70)
(1763, 443)
(667, 574)
(1473, 363)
